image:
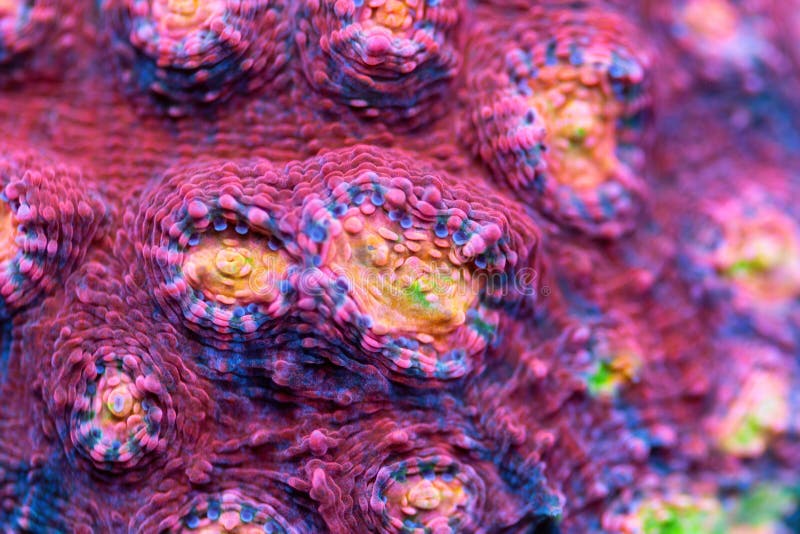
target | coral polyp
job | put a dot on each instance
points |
(188, 53)
(557, 113)
(760, 254)
(428, 494)
(399, 266)
(114, 421)
(390, 60)
(581, 125)
(229, 269)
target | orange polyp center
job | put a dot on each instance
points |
(424, 496)
(713, 19)
(396, 15)
(759, 412)
(406, 285)
(428, 501)
(184, 15)
(120, 412)
(627, 365)
(8, 233)
(762, 255)
(120, 402)
(580, 120)
(9, 8)
(183, 7)
(233, 269)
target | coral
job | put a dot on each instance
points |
(555, 111)
(390, 60)
(187, 52)
(412, 266)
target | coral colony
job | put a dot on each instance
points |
(400, 266)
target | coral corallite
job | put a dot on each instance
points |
(400, 266)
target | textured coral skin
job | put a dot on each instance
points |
(425, 266)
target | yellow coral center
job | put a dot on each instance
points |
(118, 411)
(407, 284)
(428, 501)
(610, 374)
(712, 19)
(179, 16)
(395, 15)
(424, 495)
(759, 411)
(627, 365)
(183, 7)
(120, 402)
(580, 120)
(762, 255)
(233, 263)
(232, 269)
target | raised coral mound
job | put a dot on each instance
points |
(399, 266)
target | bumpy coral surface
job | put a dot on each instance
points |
(399, 266)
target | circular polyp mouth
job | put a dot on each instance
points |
(232, 269)
(120, 402)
